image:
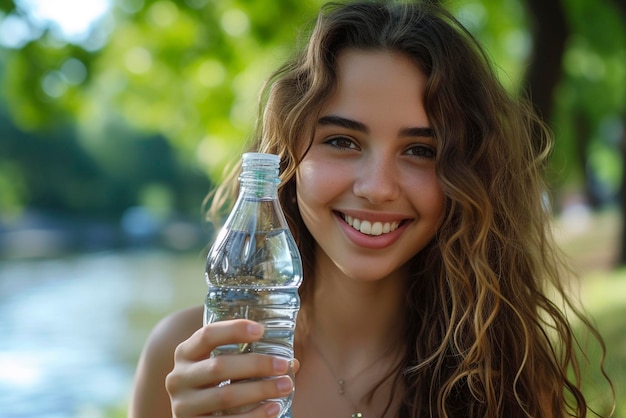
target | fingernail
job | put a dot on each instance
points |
(255, 330)
(272, 409)
(281, 365)
(284, 385)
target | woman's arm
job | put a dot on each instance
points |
(150, 398)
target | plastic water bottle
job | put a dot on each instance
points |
(254, 268)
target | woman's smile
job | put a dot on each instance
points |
(370, 234)
(370, 227)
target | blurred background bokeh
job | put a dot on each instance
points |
(118, 116)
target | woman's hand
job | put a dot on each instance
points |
(194, 383)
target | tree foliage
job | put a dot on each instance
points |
(590, 102)
(190, 70)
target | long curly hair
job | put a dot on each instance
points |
(485, 335)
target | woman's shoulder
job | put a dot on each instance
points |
(168, 333)
(177, 326)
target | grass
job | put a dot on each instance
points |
(601, 297)
(592, 244)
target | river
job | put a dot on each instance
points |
(71, 328)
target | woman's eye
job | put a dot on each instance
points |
(342, 142)
(422, 151)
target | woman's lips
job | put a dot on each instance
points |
(371, 234)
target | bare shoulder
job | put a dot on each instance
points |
(168, 334)
(176, 328)
(149, 397)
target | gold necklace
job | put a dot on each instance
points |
(341, 382)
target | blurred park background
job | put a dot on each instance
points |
(118, 116)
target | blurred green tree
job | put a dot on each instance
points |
(190, 70)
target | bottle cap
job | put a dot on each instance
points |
(260, 159)
(259, 165)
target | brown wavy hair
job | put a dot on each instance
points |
(485, 339)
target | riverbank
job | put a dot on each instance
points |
(38, 234)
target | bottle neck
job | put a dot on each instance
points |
(258, 188)
(259, 180)
(259, 176)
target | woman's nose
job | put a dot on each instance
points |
(377, 180)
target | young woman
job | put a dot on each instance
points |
(413, 185)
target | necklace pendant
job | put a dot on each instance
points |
(341, 389)
(357, 415)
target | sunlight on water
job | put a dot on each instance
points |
(69, 341)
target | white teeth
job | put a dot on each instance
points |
(366, 227)
(371, 228)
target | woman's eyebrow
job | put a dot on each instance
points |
(343, 123)
(420, 132)
(354, 125)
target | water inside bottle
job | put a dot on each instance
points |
(254, 260)
(275, 308)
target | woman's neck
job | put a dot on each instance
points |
(352, 318)
(351, 347)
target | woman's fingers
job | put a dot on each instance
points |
(207, 338)
(295, 363)
(248, 393)
(212, 371)
(266, 410)
(233, 396)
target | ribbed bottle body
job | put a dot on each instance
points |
(254, 269)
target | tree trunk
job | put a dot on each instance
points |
(621, 256)
(550, 32)
(582, 133)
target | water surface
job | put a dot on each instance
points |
(71, 329)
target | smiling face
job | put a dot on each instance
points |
(367, 188)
